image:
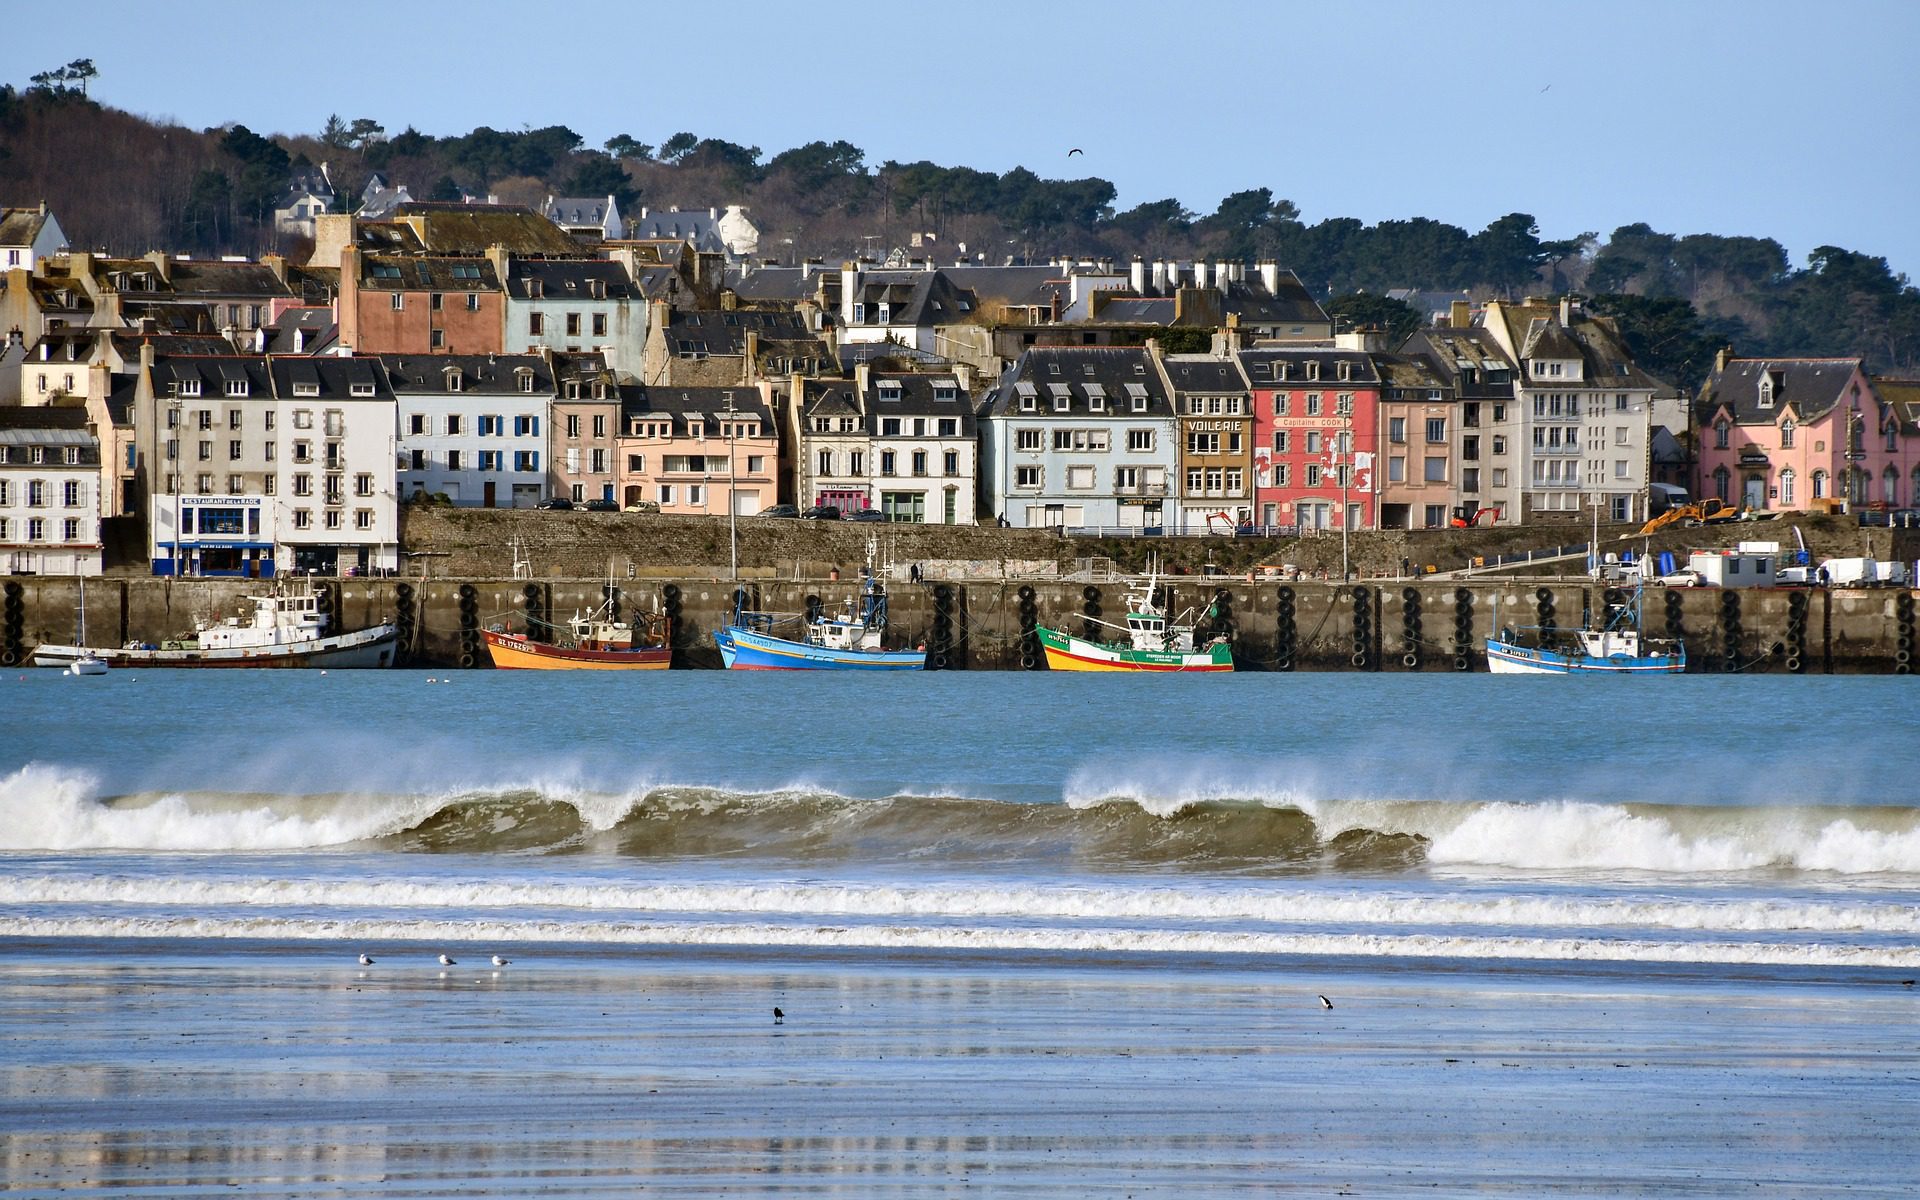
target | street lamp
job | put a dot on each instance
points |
(733, 505)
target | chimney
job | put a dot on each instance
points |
(751, 368)
(862, 376)
(1221, 275)
(497, 255)
(1199, 272)
(164, 266)
(1159, 276)
(1721, 358)
(1270, 276)
(713, 214)
(729, 301)
(849, 283)
(1137, 276)
(963, 375)
(1460, 314)
(1566, 311)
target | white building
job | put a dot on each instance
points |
(207, 432)
(472, 427)
(49, 492)
(924, 455)
(335, 507)
(28, 235)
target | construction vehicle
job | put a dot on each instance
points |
(1470, 518)
(1701, 512)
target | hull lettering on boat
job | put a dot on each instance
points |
(509, 652)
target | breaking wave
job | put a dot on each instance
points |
(1137, 824)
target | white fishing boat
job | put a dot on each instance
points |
(285, 629)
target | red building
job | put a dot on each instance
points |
(1316, 439)
(414, 304)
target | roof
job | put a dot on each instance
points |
(315, 323)
(1288, 304)
(827, 398)
(20, 226)
(1089, 380)
(298, 376)
(912, 297)
(1410, 373)
(724, 331)
(30, 419)
(789, 284)
(473, 228)
(1466, 358)
(904, 394)
(1812, 387)
(202, 279)
(1190, 373)
(496, 374)
(691, 225)
(1305, 363)
(390, 272)
(562, 279)
(578, 210)
(686, 406)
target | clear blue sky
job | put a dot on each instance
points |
(1791, 119)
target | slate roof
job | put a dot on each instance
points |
(1411, 373)
(1016, 287)
(1903, 397)
(577, 210)
(918, 395)
(1452, 352)
(563, 279)
(687, 406)
(1812, 386)
(1136, 310)
(1289, 304)
(1049, 372)
(788, 284)
(46, 425)
(489, 374)
(202, 279)
(718, 331)
(387, 272)
(472, 228)
(1260, 363)
(386, 237)
(827, 398)
(913, 297)
(317, 323)
(1203, 373)
(692, 225)
(335, 377)
(19, 226)
(212, 372)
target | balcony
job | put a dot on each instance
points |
(1140, 489)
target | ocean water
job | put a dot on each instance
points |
(981, 860)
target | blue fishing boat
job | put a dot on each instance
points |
(1614, 647)
(853, 640)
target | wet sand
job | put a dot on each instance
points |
(173, 1068)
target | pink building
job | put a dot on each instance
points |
(698, 451)
(1802, 433)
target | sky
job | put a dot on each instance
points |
(1792, 120)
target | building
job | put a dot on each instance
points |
(309, 194)
(334, 499)
(1585, 412)
(588, 218)
(49, 492)
(1215, 480)
(831, 442)
(1801, 433)
(1433, 460)
(28, 235)
(1479, 377)
(582, 434)
(420, 304)
(707, 230)
(472, 427)
(924, 447)
(208, 437)
(725, 347)
(698, 451)
(1317, 428)
(574, 305)
(1080, 436)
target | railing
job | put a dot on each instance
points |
(1198, 531)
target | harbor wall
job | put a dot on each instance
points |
(971, 624)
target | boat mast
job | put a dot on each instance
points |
(733, 502)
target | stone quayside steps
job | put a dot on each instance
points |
(974, 625)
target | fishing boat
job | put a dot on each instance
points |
(285, 629)
(89, 663)
(1610, 646)
(595, 641)
(1154, 641)
(853, 640)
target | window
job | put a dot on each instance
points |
(363, 484)
(204, 418)
(1397, 430)
(889, 426)
(1343, 404)
(1436, 469)
(599, 324)
(1720, 480)
(473, 301)
(573, 324)
(398, 303)
(1314, 438)
(1786, 488)
(453, 464)
(206, 451)
(526, 427)
(203, 484)
(70, 493)
(577, 493)
(950, 462)
(1313, 475)
(536, 324)
(1026, 439)
(949, 427)
(1720, 437)
(333, 518)
(598, 462)
(490, 460)
(36, 529)
(1786, 434)
(1436, 429)
(433, 301)
(453, 424)
(1397, 469)
(1026, 477)
(1280, 404)
(919, 462)
(70, 530)
(1280, 474)
(599, 425)
(1080, 478)
(856, 462)
(1203, 443)
(665, 493)
(526, 460)
(886, 462)
(303, 418)
(303, 517)
(573, 425)
(236, 484)
(1470, 479)
(824, 464)
(363, 518)
(437, 339)
(1313, 404)
(233, 450)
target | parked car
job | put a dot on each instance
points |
(822, 512)
(557, 504)
(644, 506)
(865, 514)
(601, 506)
(781, 510)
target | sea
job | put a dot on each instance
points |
(946, 933)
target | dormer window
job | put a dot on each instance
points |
(945, 392)
(1766, 391)
(1313, 369)
(454, 379)
(535, 289)
(859, 314)
(1344, 370)
(306, 389)
(1720, 430)
(189, 387)
(597, 288)
(883, 313)
(525, 377)
(890, 389)
(360, 389)
(1282, 371)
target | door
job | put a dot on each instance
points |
(1755, 494)
(487, 498)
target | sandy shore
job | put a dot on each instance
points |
(173, 1067)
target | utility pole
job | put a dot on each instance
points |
(1342, 468)
(733, 504)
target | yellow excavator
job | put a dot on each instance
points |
(1701, 512)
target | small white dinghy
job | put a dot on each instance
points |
(88, 663)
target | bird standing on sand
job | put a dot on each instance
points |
(500, 962)
(366, 960)
(446, 960)
(1325, 1003)
(779, 1018)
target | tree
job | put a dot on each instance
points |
(598, 175)
(622, 145)
(1358, 310)
(1667, 336)
(739, 164)
(446, 190)
(1508, 253)
(365, 131)
(334, 133)
(678, 147)
(817, 166)
(80, 70)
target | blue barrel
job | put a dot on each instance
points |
(1666, 562)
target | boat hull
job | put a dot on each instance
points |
(362, 649)
(1505, 658)
(745, 650)
(514, 652)
(1068, 653)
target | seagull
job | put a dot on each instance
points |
(1325, 1003)
(1076, 150)
(500, 962)
(366, 960)
(1545, 90)
(779, 1018)
(447, 961)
